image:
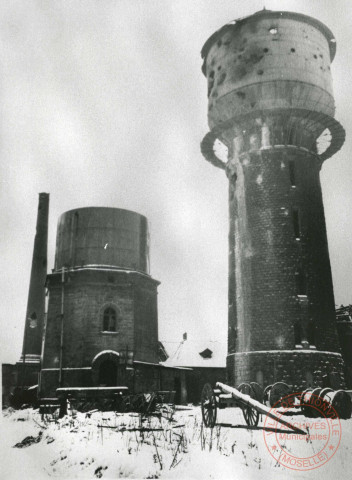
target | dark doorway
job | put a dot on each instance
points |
(108, 374)
(177, 388)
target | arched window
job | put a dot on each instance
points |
(109, 320)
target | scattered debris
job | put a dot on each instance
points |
(28, 441)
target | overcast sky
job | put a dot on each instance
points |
(103, 103)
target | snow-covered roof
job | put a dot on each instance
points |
(189, 353)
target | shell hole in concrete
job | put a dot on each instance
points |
(273, 31)
(222, 78)
(265, 50)
(260, 72)
(219, 67)
(323, 141)
(220, 150)
(315, 56)
(293, 50)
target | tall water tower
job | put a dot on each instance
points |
(271, 104)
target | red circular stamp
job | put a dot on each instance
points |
(304, 443)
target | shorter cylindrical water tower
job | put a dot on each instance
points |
(102, 309)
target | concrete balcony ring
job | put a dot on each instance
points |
(321, 120)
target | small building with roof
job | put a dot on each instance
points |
(205, 358)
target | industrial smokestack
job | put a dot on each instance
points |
(32, 340)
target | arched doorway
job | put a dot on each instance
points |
(106, 369)
(108, 374)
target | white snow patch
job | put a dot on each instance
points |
(81, 446)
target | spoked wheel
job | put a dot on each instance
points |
(250, 414)
(209, 405)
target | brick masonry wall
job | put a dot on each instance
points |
(265, 256)
(301, 369)
(146, 323)
(86, 295)
(142, 379)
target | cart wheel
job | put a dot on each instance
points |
(250, 414)
(208, 404)
(258, 390)
(277, 392)
(266, 395)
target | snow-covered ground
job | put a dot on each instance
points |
(104, 445)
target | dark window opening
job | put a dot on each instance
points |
(296, 225)
(297, 332)
(207, 353)
(292, 172)
(109, 320)
(311, 332)
(301, 283)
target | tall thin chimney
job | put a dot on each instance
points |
(32, 340)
